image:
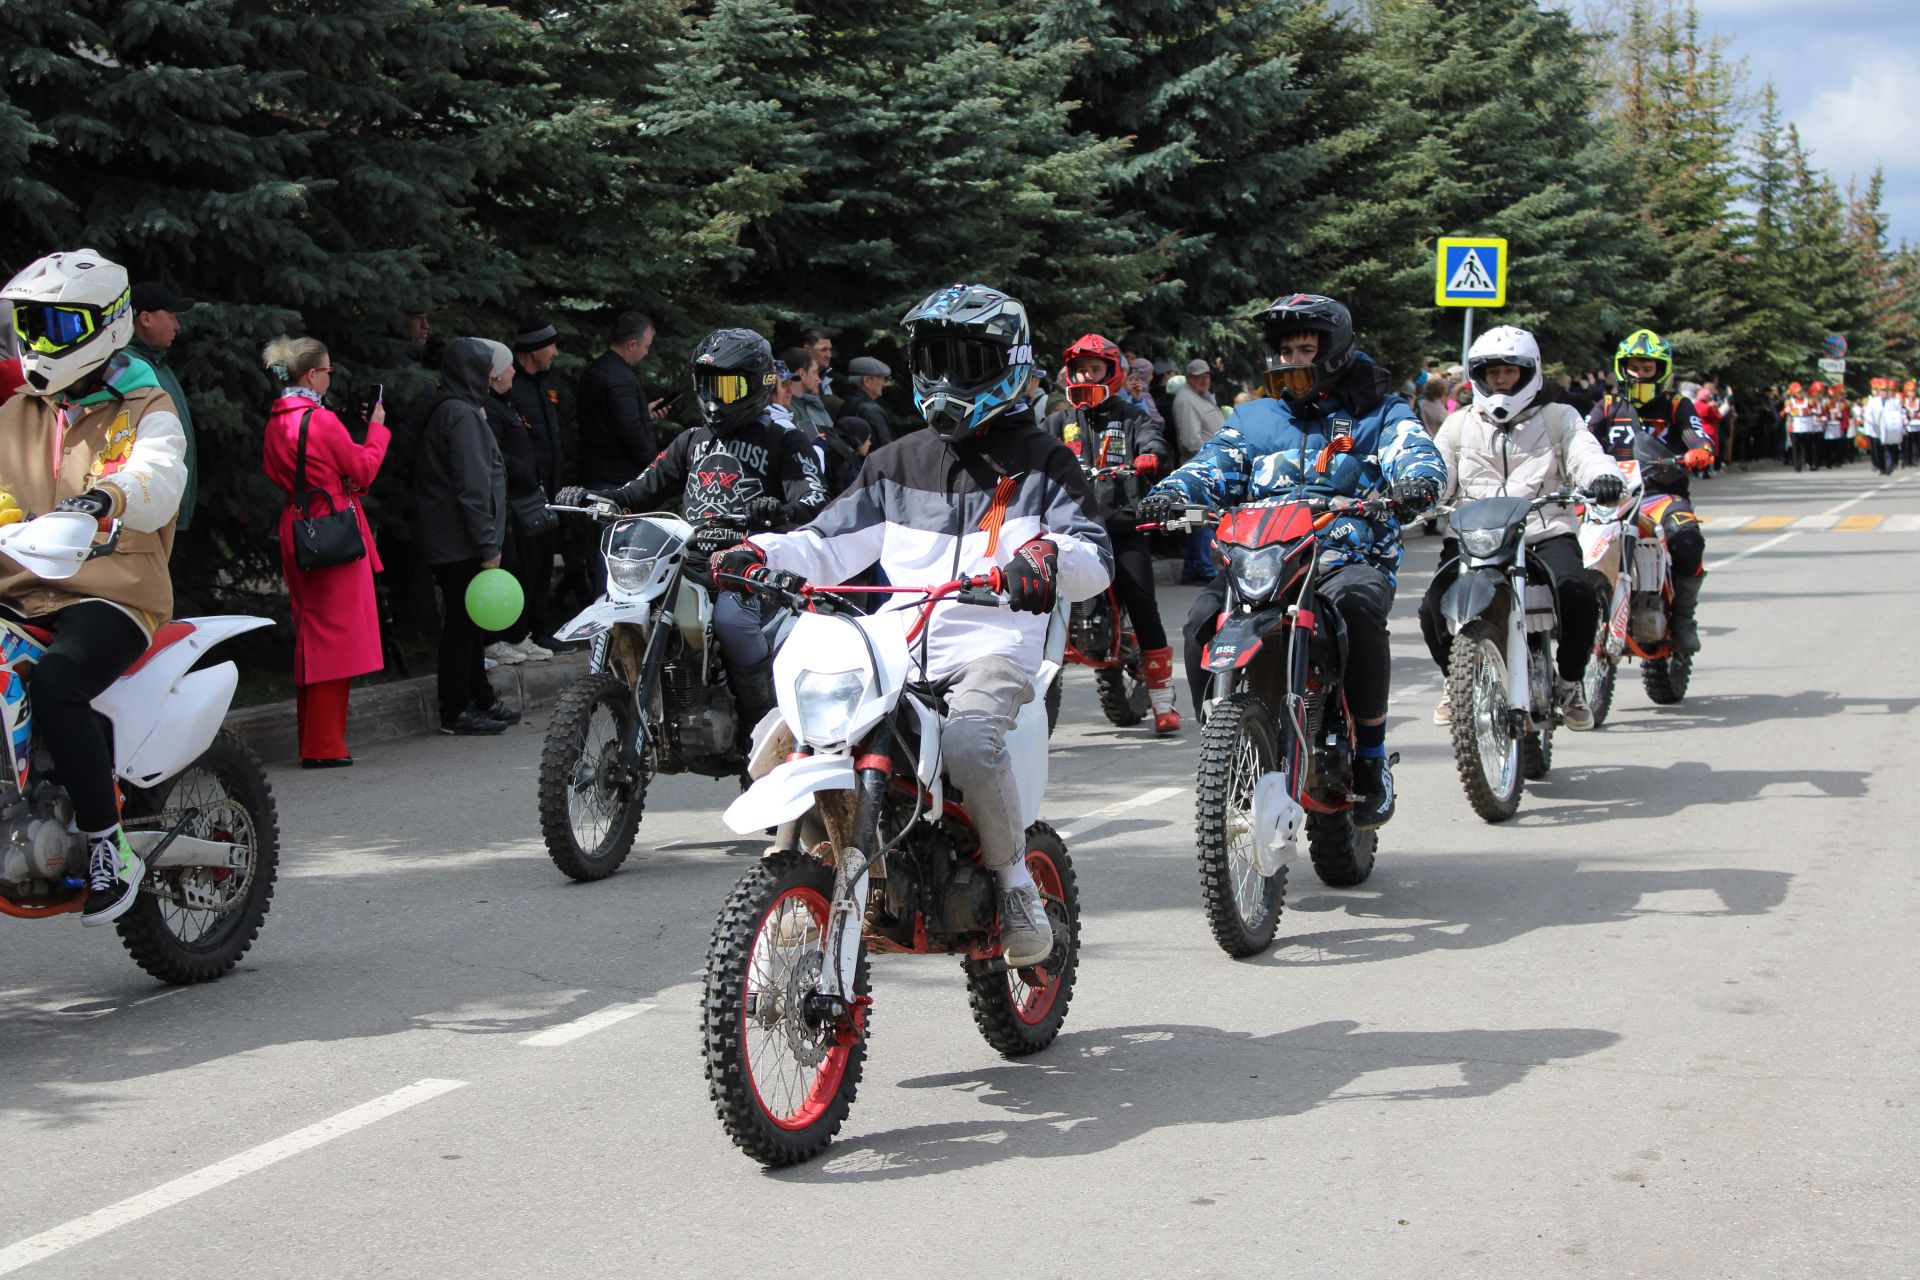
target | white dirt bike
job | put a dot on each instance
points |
(1631, 553)
(873, 851)
(196, 806)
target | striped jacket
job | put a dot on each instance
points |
(1269, 449)
(928, 511)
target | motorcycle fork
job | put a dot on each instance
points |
(853, 880)
(633, 748)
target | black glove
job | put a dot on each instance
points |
(1159, 508)
(97, 503)
(740, 560)
(1608, 490)
(1030, 577)
(765, 513)
(1411, 497)
(574, 495)
(710, 540)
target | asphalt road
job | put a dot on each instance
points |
(1660, 1024)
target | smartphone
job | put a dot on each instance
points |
(375, 395)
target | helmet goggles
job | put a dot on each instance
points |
(52, 327)
(718, 384)
(963, 361)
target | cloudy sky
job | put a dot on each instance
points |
(1848, 73)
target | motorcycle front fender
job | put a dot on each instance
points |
(1471, 594)
(1236, 644)
(603, 616)
(787, 792)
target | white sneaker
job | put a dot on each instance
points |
(533, 652)
(1443, 711)
(1573, 707)
(505, 654)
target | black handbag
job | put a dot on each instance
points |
(322, 542)
(531, 515)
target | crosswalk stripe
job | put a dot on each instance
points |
(1901, 524)
(1859, 524)
(1815, 524)
(1767, 524)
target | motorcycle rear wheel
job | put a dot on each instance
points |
(1485, 751)
(1603, 672)
(1665, 679)
(1536, 753)
(181, 943)
(781, 1083)
(589, 813)
(1342, 853)
(1243, 907)
(1019, 1012)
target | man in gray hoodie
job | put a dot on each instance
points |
(460, 526)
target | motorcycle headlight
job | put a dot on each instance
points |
(827, 701)
(1481, 542)
(630, 573)
(1256, 573)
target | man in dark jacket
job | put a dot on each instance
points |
(534, 397)
(617, 440)
(156, 323)
(863, 398)
(1105, 430)
(460, 528)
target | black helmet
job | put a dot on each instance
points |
(733, 378)
(1308, 313)
(971, 354)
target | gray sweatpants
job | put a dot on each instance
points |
(982, 699)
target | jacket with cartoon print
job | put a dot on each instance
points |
(1354, 439)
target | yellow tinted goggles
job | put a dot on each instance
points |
(727, 388)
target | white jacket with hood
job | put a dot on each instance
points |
(1545, 446)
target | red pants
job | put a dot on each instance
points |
(323, 719)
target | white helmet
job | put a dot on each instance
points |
(1504, 345)
(71, 312)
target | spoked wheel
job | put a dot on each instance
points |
(782, 1067)
(1536, 753)
(1485, 750)
(1019, 1011)
(590, 800)
(1342, 853)
(192, 924)
(1603, 672)
(1123, 689)
(1238, 745)
(1665, 679)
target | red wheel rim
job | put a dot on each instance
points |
(801, 1091)
(1032, 990)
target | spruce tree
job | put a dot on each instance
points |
(1780, 324)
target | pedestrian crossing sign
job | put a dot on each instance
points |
(1470, 272)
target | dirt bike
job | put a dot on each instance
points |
(1100, 637)
(1276, 755)
(873, 852)
(196, 805)
(655, 698)
(1639, 569)
(1501, 678)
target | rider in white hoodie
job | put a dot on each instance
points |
(1517, 438)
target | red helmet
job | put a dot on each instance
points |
(1092, 392)
(1794, 388)
(1817, 387)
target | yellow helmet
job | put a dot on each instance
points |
(1643, 344)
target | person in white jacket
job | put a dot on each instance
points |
(1884, 420)
(1517, 438)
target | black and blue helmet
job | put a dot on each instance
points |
(971, 352)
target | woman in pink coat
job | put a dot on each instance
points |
(336, 623)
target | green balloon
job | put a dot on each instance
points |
(494, 600)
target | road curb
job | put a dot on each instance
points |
(403, 708)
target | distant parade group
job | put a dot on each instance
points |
(1826, 429)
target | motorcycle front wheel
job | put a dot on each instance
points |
(590, 801)
(1243, 907)
(1603, 672)
(1019, 1011)
(781, 1077)
(1342, 853)
(1485, 750)
(1665, 679)
(192, 924)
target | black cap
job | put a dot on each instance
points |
(854, 430)
(151, 295)
(534, 333)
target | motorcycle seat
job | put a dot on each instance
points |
(165, 638)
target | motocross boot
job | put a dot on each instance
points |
(1373, 791)
(1686, 598)
(753, 697)
(1159, 669)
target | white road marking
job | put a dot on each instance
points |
(568, 1032)
(1862, 496)
(1755, 549)
(1816, 524)
(1808, 522)
(1901, 524)
(98, 1223)
(170, 991)
(1109, 815)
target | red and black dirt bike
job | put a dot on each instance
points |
(1099, 636)
(1276, 755)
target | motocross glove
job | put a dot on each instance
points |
(1411, 497)
(1608, 490)
(1146, 466)
(765, 513)
(574, 495)
(741, 560)
(97, 503)
(1697, 459)
(1160, 508)
(1030, 577)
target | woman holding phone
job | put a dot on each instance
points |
(336, 622)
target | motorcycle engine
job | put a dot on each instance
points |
(1092, 626)
(1649, 619)
(40, 842)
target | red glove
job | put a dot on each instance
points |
(1030, 577)
(741, 560)
(1698, 459)
(1146, 465)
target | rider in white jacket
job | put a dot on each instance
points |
(1516, 438)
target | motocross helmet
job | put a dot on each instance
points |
(1818, 388)
(1643, 344)
(1306, 313)
(1094, 391)
(733, 378)
(1505, 345)
(71, 312)
(971, 353)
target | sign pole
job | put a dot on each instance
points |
(1466, 338)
